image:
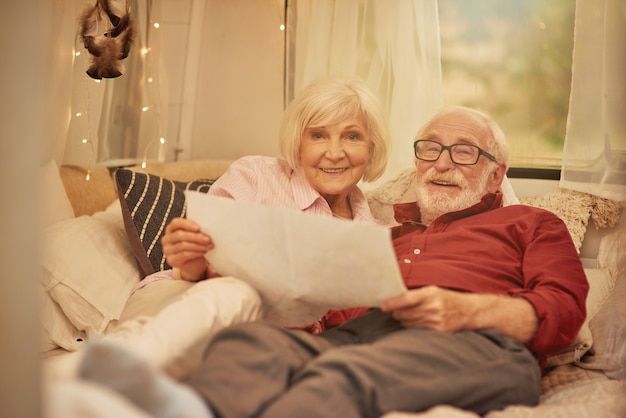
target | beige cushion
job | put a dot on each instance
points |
(186, 170)
(576, 208)
(56, 205)
(89, 191)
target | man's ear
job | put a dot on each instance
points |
(495, 178)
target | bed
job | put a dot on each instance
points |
(97, 248)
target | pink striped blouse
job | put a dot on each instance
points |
(271, 182)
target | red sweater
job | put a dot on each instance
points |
(515, 250)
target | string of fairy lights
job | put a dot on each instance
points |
(150, 69)
(88, 92)
(81, 117)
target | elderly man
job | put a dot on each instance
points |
(493, 291)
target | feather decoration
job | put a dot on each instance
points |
(107, 32)
(125, 28)
(106, 64)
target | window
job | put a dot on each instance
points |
(513, 59)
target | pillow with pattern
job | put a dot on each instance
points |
(148, 203)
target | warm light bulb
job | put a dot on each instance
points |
(78, 114)
(144, 51)
(162, 140)
(149, 79)
(84, 140)
(157, 25)
(77, 53)
(145, 108)
(282, 27)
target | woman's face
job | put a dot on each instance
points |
(334, 157)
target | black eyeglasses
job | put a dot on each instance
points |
(462, 154)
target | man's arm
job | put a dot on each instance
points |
(440, 309)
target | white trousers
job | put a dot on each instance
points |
(170, 322)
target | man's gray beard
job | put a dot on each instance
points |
(433, 205)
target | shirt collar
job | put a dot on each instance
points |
(410, 212)
(304, 195)
(360, 206)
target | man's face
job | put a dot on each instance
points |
(444, 186)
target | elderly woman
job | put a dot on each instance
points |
(333, 135)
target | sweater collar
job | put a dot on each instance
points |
(410, 212)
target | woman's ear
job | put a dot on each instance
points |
(496, 178)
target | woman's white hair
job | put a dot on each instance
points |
(331, 100)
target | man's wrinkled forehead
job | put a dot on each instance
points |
(457, 127)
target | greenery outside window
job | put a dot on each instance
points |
(512, 59)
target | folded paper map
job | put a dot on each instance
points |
(301, 264)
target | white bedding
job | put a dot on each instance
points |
(567, 392)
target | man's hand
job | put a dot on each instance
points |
(430, 307)
(434, 308)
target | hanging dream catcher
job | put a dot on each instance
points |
(107, 30)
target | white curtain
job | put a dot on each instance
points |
(595, 143)
(393, 45)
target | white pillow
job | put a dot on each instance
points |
(608, 326)
(612, 253)
(56, 205)
(609, 334)
(601, 284)
(58, 331)
(509, 198)
(89, 270)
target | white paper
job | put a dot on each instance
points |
(301, 264)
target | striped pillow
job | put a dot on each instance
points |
(148, 203)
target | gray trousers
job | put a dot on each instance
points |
(364, 368)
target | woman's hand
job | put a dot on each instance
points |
(184, 247)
